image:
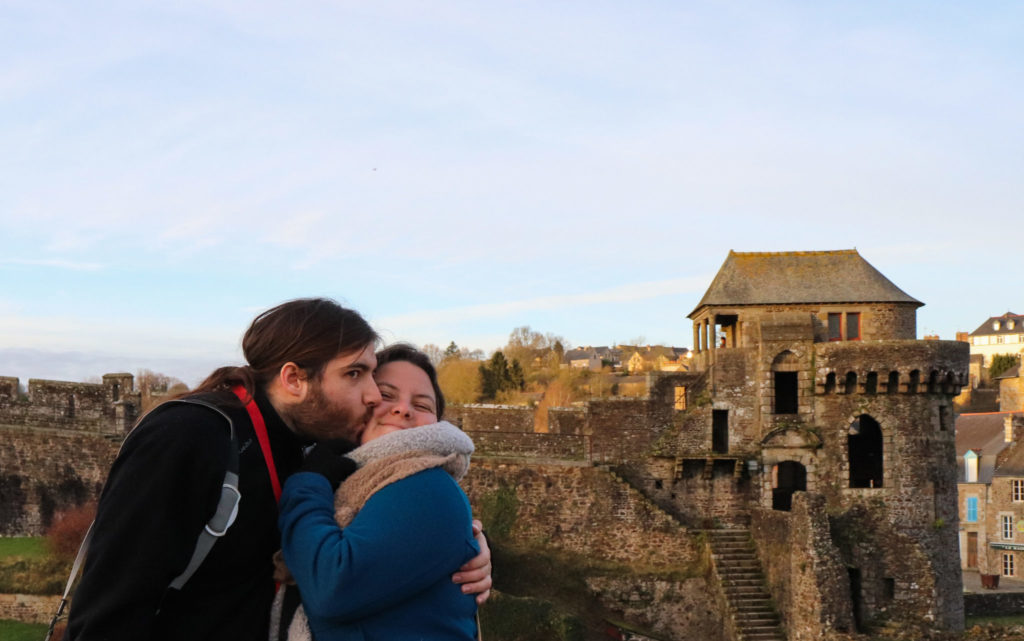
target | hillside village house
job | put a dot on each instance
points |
(592, 358)
(634, 360)
(656, 358)
(998, 335)
(991, 492)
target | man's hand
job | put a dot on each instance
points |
(475, 575)
(327, 458)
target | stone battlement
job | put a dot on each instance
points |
(110, 407)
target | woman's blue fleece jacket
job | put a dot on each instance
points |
(387, 575)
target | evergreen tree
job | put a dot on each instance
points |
(1001, 363)
(452, 351)
(516, 377)
(495, 376)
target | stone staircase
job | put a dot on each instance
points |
(742, 580)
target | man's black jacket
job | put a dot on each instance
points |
(162, 489)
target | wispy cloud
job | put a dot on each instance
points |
(622, 294)
(58, 263)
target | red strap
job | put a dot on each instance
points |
(261, 435)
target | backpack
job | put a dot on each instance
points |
(222, 519)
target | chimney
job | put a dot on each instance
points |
(1012, 427)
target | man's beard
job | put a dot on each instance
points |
(320, 420)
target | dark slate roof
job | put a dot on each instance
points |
(601, 352)
(983, 433)
(577, 354)
(986, 328)
(1013, 464)
(766, 278)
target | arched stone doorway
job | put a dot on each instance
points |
(789, 477)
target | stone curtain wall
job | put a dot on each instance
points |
(491, 418)
(566, 447)
(989, 604)
(563, 420)
(9, 390)
(584, 510)
(28, 608)
(45, 471)
(623, 430)
(803, 569)
(613, 431)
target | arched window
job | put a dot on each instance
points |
(933, 382)
(788, 477)
(871, 383)
(893, 386)
(784, 377)
(949, 384)
(851, 383)
(830, 383)
(864, 446)
(914, 383)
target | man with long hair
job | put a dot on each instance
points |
(308, 378)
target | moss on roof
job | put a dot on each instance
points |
(767, 278)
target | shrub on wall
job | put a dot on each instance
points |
(68, 529)
(1001, 363)
(498, 511)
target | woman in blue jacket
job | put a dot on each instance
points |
(374, 559)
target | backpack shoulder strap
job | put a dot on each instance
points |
(227, 507)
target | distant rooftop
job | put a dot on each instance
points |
(985, 435)
(767, 278)
(1008, 323)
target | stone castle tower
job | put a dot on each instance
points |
(810, 401)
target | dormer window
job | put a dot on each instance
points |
(995, 326)
(971, 467)
(1010, 323)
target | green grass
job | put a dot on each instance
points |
(27, 567)
(1001, 621)
(27, 547)
(17, 631)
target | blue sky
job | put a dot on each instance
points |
(457, 169)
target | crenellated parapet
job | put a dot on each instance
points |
(110, 407)
(890, 367)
